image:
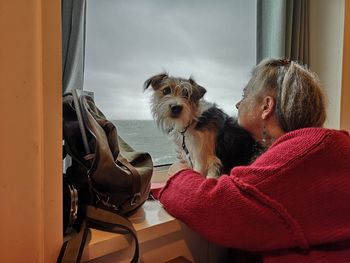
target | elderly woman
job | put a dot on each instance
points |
(292, 203)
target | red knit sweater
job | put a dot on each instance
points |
(292, 204)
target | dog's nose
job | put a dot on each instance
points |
(175, 110)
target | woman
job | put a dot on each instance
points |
(292, 203)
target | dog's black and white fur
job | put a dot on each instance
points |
(210, 140)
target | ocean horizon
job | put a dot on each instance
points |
(145, 136)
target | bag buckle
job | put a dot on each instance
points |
(73, 213)
(135, 198)
(106, 202)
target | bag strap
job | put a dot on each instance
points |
(72, 249)
(108, 221)
(76, 96)
(101, 219)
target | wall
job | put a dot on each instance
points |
(30, 106)
(326, 52)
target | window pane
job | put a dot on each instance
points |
(129, 41)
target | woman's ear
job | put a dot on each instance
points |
(267, 107)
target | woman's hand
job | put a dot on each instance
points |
(177, 167)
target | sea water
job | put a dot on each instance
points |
(144, 135)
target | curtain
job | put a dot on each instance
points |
(283, 30)
(73, 43)
(73, 18)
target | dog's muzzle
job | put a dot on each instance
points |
(175, 110)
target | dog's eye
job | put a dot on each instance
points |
(185, 93)
(166, 91)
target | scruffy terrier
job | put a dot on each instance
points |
(210, 140)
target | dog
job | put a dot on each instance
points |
(210, 140)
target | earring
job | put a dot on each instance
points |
(264, 137)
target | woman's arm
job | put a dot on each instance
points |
(228, 212)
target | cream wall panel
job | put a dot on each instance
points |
(326, 51)
(30, 106)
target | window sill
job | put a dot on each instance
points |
(151, 222)
(162, 238)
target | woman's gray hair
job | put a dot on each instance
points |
(300, 102)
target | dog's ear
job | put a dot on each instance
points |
(198, 91)
(155, 81)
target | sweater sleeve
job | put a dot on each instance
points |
(228, 212)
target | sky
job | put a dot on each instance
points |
(128, 41)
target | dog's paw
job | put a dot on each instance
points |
(214, 167)
(214, 174)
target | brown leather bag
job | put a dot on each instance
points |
(111, 178)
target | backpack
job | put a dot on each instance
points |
(106, 181)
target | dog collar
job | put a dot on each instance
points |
(183, 132)
(184, 147)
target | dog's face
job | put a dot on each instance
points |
(174, 101)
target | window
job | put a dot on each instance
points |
(128, 41)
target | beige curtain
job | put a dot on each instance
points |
(283, 29)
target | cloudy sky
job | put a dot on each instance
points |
(129, 41)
